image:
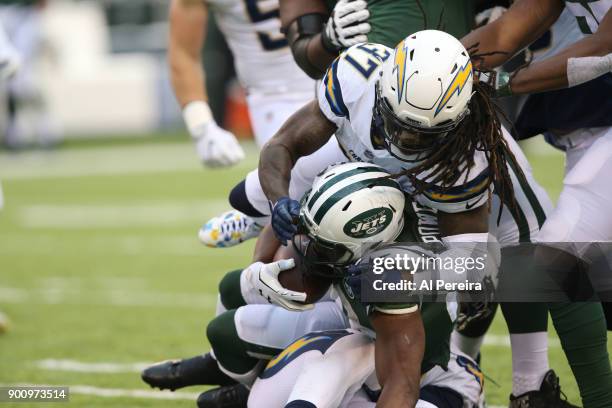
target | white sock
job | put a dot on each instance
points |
(467, 345)
(529, 361)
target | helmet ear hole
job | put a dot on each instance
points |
(347, 205)
(454, 69)
(411, 54)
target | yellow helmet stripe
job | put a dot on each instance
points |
(401, 54)
(457, 85)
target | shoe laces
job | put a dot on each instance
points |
(240, 224)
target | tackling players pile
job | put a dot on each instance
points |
(423, 135)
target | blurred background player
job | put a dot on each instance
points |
(9, 64)
(275, 87)
(28, 117)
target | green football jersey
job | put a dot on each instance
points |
(420, 226)
(393, 20)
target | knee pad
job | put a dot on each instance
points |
(239, 201)
(229, 290)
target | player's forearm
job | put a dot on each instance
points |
(187, 78)
(523, 23)
(275, 164)
(304, 36)
(266, 246)
(486, 39)
(319, 56)
(188, 19)
(400, 344)
(555, 73)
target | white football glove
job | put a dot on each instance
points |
(264, 278)
(216, 147)
(348, 25)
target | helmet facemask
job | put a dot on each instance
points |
(321, 257)
(406, 140)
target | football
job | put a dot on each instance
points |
(295, 278)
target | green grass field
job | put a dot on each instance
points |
(101, 271)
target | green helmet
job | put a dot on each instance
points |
(351, 208)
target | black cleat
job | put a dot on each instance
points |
(548, 396)
(230, 396)
(175, 374)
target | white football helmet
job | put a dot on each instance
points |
(422, 93)
(351, 208)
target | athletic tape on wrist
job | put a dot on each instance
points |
(197, 115)
(584, 69)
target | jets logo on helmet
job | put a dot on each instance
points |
(350, 208)
(368, 223)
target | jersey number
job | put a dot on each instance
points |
(269, 40)
(370, 63)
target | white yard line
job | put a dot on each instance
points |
(125, 215)
(109, 161)
(117, 392)
(58, 296)
(83, 367)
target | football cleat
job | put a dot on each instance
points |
(548, 396)
(231, 396)
(174, 374)
(229, 229)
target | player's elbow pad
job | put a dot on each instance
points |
(299, 35)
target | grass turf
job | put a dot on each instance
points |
(99, 262)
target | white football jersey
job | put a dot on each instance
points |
(262, 56)
(589, 13)
(346, 97)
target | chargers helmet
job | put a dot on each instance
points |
(351, 207)
(422, 93)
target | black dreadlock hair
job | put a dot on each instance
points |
(480, 130)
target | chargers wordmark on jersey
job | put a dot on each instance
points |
(457, 85)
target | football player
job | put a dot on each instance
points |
(387, 108)
(578, 121)
(343, 360)
(248, 328)
(275, 85)
(317, 33)
(9, 64)
(316, 37)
